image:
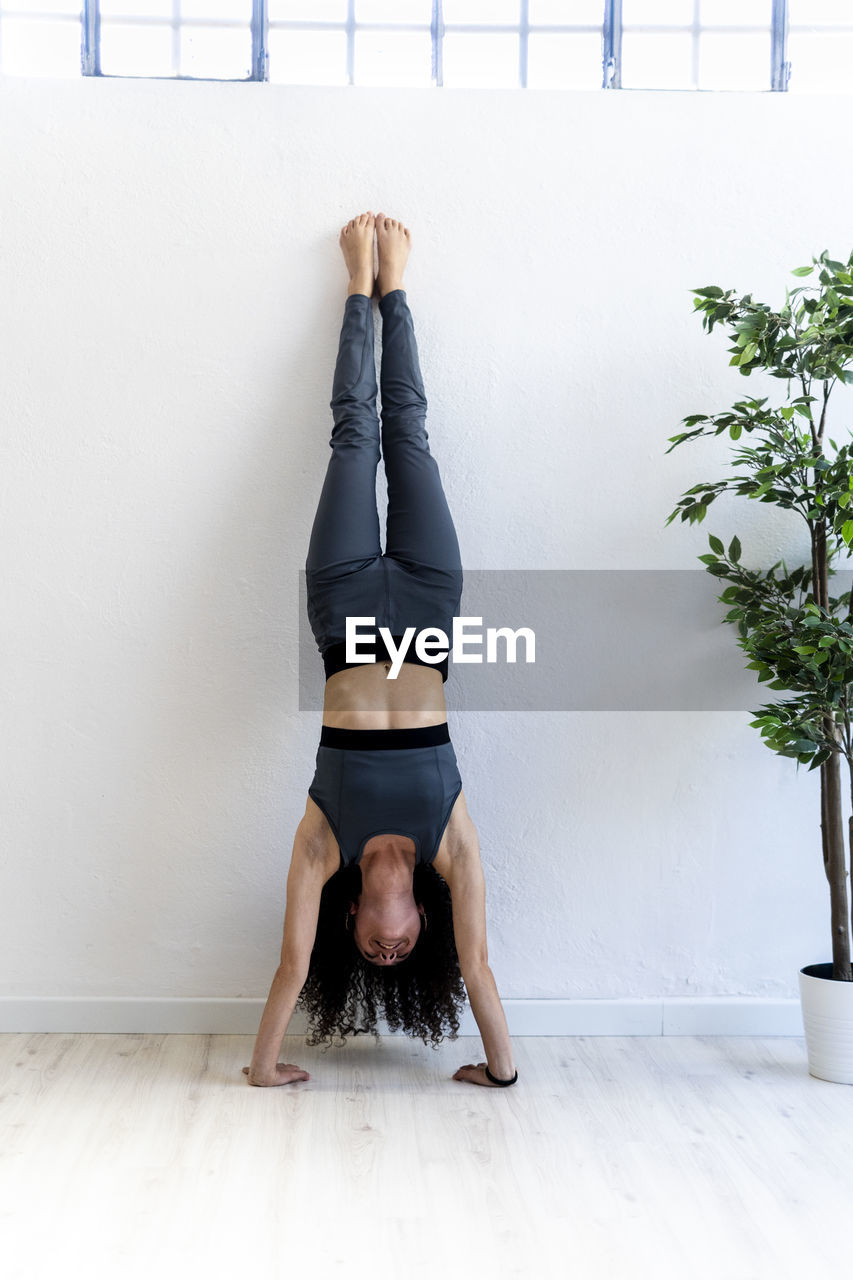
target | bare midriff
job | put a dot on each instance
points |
(364, 697)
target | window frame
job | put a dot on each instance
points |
(780, 68)
(90, 48)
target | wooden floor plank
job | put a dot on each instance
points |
(150, 1155)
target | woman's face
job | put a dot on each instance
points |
(385, 933)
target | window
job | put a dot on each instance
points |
(755, 45)
(696, 44)
(40, 39)
(203, 39)
(820, 44)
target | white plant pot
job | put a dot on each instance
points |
(827, 1008)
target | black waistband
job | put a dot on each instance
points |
(430, 735)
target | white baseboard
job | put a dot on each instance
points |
(647, 1016)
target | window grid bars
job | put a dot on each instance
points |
(90, 45)
(350, 41)
(260, 40)
(523, 32)
(780, 67)
(612, 45)
(436, 33)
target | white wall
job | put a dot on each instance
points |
(171, 297)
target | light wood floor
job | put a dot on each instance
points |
(150, 1155)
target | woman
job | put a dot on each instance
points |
(385, 892)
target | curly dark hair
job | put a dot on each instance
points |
(343, 993)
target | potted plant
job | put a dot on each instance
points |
(797, 636)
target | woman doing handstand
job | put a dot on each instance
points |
(385, 892)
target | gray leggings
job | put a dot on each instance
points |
(418, 580)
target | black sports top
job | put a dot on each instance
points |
(334, 658)
(371, 782)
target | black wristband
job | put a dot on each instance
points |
(504, 1084)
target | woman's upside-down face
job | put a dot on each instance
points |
(386, 931)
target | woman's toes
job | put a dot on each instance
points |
(357, 245)
(394, 242)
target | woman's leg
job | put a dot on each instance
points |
(345, 533)
(420, 529)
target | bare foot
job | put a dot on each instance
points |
(357, 245)
(394, 242)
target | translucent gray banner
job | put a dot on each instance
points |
(605, 640)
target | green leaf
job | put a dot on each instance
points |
(734, 549)
(802, 271)
(711, 291)
(715, 544)
(847, 531)
(748, 352)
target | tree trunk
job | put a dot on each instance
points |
(835, 862)
(834, 857)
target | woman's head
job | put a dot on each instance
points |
(386, 927)
(391, 957)
(386, 920)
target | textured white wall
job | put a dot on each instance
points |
(171, 298)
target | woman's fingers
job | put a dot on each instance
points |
(474, 1073)
(283, 1073)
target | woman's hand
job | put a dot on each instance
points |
(281, 1073)
(475, 1075)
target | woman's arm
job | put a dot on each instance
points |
(305, 881)
(467, 886)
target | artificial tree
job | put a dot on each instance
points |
(797, 636)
